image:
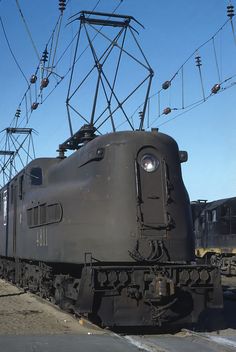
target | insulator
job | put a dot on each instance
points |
(45, 55)
(198, 61)
(62, 5)
(166, 111)
(230, 11)
(34, 106)
(215, 88)
(166, 84)
(33, 79)
(44, 83)
(17, 114)
(140, 114)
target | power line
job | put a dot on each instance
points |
(216, 88)
(27, 97)
(27, 29)
(13, 55)
(63, 54)
(185, 107)
(195, 104)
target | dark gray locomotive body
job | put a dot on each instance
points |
(215, 232)
(108, 233)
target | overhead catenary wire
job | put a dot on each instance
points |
(216, 59)
(192, 54)
(188, 107)
(72, 40)
(39, 96)
(26, 97)
(183, 106)
(11, 51)
(182, 85)
(57, 39)
(27, 29)
(82, 53)
(181, 70)
(23, 119)
(195, 104)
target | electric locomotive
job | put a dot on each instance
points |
(107, 232)
(215, 232)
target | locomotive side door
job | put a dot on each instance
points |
(224, 223)
(5, 219)
(152, 214)
(14, 214)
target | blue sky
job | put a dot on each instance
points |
(173, 30)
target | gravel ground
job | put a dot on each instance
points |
(28, 323)
(26, 314)
(229, 281)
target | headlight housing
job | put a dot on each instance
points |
(149, 162)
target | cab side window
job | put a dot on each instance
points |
(214, 215)
(36, 176)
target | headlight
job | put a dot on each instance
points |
(149, 162)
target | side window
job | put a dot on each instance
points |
(44, 214)
(36, 216)
(54, 213)
(5, 199)
(214, 216)
(36, 176)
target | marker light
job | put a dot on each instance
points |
(149, 162)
